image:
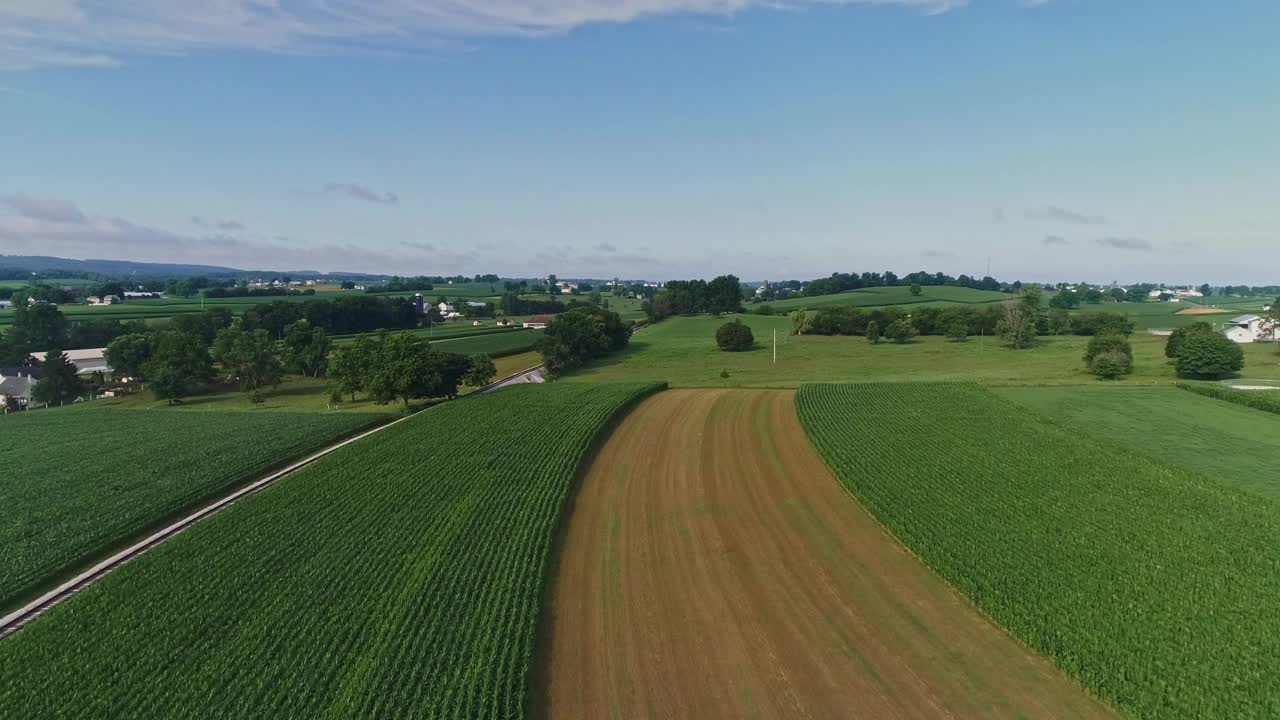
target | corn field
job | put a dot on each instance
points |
(81, 481)
(400, 576)
(1155, 587)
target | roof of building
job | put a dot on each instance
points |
(1243, 319)
(16, 386)
(541, 319)
(13, 371)
(85, 355)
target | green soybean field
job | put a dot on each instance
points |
(1155, 587)
(400, 576)
(81, 481)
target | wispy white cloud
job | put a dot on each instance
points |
(1055, 240)
(362, 192)
(38, 33)
(1124, 243)
(46, 226)
(1053, 213)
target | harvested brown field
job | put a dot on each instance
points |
(1202, 311)
(713, 568)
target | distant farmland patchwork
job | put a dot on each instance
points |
(401, 576)
(104, 484)
(1145, 581)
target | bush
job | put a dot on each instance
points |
(873, 332)
(1174, 344)
(901, 331)
(1209, 356)
(958, 332)
(1111, 365)
(764, 309)
(1101, 344)
(735, 337)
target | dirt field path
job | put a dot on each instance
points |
(713, 568)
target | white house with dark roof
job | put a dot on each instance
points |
(17, 383)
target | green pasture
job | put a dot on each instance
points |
(682, 350)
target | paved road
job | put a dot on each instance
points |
(532, 375)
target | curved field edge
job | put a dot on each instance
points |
(534, 701)
(98, 480)
(1143, 581)
(401, 575)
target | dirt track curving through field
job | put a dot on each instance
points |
(713, 568)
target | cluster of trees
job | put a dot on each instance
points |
(842, 282)
(582, 333)
(688, 297)
(178, 361)
(1200, 352)
(346, 315)
(403, 367)
(420, 283)
(1021, 321)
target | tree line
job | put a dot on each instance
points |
(688, 297)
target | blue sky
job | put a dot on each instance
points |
(1064, 140)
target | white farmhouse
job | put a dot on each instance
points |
(1252, 328)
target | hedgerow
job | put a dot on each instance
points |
(1266, 400)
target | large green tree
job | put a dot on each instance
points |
(350, 367)
(1209, 356)
(579, 335)
(59, 382)
(306, 348)
(128, 354)
(179, 365)
(249, 358)
(481, 371)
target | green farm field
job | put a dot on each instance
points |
(1146, 581)
(895, 295)
(682, 350)
(109, 476)
(1231, 444)
(401, 576)
(56, 282)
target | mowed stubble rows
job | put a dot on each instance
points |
(713, 568)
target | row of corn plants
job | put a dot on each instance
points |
(81, 481)
(1158, 589)
(401, 576)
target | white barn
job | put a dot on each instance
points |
(1252, 328)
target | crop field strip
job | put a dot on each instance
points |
(400, 576)
(1264, 400)
(713, 568)
(115, 474)
(1234, 446)
(1154, 586)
